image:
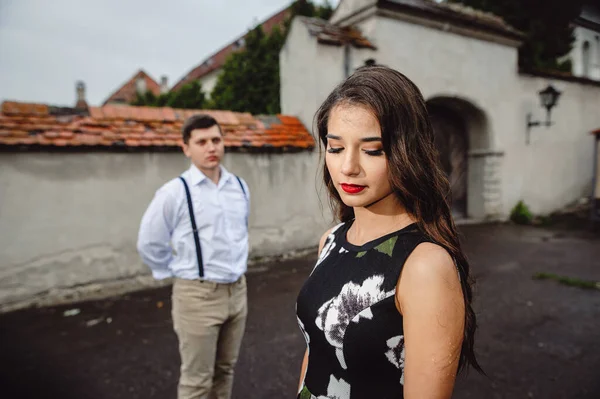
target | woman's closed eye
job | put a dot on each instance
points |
(374, 153)
(337, 150)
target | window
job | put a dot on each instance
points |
(140, 85)
(598, 51)
(239, 43)
(585, 59)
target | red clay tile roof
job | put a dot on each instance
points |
(126, 93)
(455, 12)
(327, 33)
(114, 127)
(217, 60)
(555, 74)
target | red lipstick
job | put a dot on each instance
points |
(352, 188)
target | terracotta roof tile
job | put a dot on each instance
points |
(66, 134)
(28, 141)
(327, 33)
(29, 125)
(455, 12)
(23, 109)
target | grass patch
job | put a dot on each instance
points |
(521, 214)
(570, 281)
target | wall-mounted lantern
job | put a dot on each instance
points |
(549, 98)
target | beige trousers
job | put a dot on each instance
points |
(209, 320)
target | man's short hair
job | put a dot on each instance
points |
(200, 121)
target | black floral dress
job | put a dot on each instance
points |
(347, 313)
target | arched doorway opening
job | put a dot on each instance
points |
(459, 128)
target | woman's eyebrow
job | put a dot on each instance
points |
(370, 139)
(364, 139)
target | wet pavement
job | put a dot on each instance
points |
(537, 339)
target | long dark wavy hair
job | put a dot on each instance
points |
(414, 167)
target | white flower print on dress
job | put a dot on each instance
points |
(328, 247)
(334, 315)
(337, 389)
(364, 314)
(306, 337)
(396, 353)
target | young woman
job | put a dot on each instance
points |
(386, 312)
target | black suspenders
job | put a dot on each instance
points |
(193, 220)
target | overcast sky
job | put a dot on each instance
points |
(46, 46)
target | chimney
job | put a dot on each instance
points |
(140, 85)
(164, 84)
(80, 90)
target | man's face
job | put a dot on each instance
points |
(205, 148)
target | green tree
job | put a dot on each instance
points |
(325, 11)
(189, 96)
(309, 9)
(144, 99)
(304, 7)
(162, 100)
(249, 81)
(546, 24)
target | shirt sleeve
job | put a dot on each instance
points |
(156, 229)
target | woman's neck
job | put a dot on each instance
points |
(384, 217)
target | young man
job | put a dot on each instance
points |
(207, 262)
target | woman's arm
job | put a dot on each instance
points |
(303, 370)
(430, 298)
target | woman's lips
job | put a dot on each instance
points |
(352, 188)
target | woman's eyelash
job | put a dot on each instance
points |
(368, 152)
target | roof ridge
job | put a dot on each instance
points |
(186, 77)
(460, 10)
(465, 9)
(131, 81)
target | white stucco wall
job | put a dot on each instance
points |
(308, 72)
(482, 73)
(578, 59)
(552, 171)
(298, 75)
(442, 64)
(69, 220)
(556, 168)
(583, 32)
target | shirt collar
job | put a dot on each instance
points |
(197, 177)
